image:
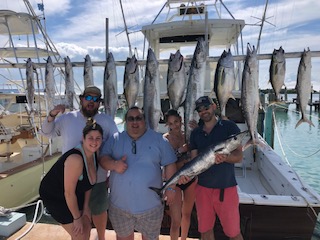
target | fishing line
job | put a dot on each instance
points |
(279, 140)
(282, 140)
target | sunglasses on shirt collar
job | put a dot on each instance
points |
(94, 98)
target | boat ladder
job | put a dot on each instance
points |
(5, 136)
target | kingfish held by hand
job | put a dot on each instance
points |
(204, 160)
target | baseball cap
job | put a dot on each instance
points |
(91, 90)
(203, 101)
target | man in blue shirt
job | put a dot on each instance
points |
(136, 158)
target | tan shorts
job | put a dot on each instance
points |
(147, 223)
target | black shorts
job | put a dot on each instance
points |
(185, 186)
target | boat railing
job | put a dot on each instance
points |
(192, 9)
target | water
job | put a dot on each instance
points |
(301, 145)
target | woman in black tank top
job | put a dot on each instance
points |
(66, 188)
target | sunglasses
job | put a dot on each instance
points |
(134, 119)
(94, 98)
(134, 147)
(203, 108)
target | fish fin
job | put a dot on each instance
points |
(231, 96)
(254, 142)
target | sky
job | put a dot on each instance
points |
(78, 27)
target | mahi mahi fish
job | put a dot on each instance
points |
(250, 100)
(69, 82)
(277, 71)
(204, 160)
(49, 81)
(30, 84)
(87, 72)
(131, 82)
(110, 87)
(176, 79)
(195, 86)
(151, 92)
(303, 85)
(224, 79)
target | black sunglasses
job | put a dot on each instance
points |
(94, 98)
(134, 119)
(134, 147)
(203, 108)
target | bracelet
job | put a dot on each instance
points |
(53, 116)
(171, 189)
(77, 218)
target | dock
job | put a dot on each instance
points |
(42, 231)
(315, 104)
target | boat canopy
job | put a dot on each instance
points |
(221, 32)
(20, 24)
(187, 21)
(17, 23)
(25, 52)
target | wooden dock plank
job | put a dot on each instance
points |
(42, 231)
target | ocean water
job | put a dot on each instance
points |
(300, 146)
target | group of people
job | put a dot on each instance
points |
(103, 170)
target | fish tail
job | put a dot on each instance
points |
(304, 120)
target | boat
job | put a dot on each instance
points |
(274, 201)
(25, 156)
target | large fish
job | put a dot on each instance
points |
(110, 87)
(49, 82)
(204, 160)
(131, 82)
(30, 84)
(250, 100)
(151, 92)
(195, 87)
(303, 85)
(277, 71)
(69, 82)
(224, 79)
(176, 79)
(87, 72)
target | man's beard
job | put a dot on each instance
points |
(89, 113)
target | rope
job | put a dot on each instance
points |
(36, 218)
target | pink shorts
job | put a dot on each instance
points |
(208, 206)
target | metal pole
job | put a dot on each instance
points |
(107, 37)
(126, 29)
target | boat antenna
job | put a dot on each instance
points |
(263, 20)
(126, 29)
